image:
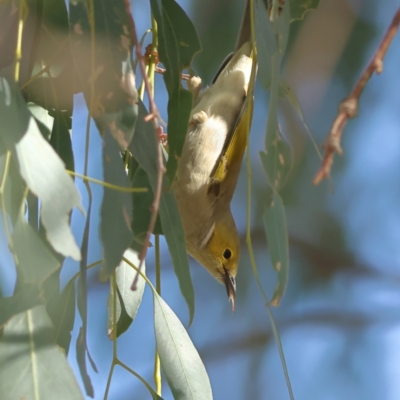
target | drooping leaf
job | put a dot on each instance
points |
(280, 18)
(278, 244)
(144, 149)
(53, 89)
(114, 105)
(141, 207)
(27, 297)
(178, 43)
(266, 43)
(14, 114)
(180, 361)
(277, 162)
(61, 139)
(61, 310)
(45, 175)
(35, 261)
(128, 300)
(298, 8)
(81, 352)
(32, 366)
(116, 209)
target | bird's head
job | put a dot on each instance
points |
(219, 253)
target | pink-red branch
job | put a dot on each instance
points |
(348, 108)
(155, 118)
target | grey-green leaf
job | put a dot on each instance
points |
(116, 209)
(278, 244)
(298, 8)
(32, 366)
(128, 300)
(144, 149)
(44, 174)
(266, 43)
(35, 260)
(180, 361)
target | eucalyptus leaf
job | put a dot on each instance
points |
(278, 244)
(144, 150)
(61, 310)
(44, 174)
(298, 8)
(116, 209)
(35, 261)
(266, 43)
(27, 297)
(112, 75)
(32, 365)
(61, 140)
(280, 18)
(141, 207)
(180, 361)
(178, 43)
(128, 300)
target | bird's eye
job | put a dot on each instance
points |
(227, 254)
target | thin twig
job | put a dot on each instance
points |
(348, 108)
(155, 117)
(184, 77)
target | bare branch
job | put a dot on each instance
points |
(155, 118)
(348, 108)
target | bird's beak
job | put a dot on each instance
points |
(230, 284)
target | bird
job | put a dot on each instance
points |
(211, 158)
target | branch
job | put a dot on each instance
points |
(155, 117)
(348, 108)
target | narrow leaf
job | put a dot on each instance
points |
(116, 209)
(298, 8)
(180, 361)
(128, 300)
(142, 206)
(32, 366)
(144, 149)
(112, 77)
(61, 310)
(278, 244)
(266, 43)
(178, 43)
(61, 141)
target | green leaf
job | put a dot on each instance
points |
(61, 310)
(144, 149)
(15, 116)
(280, 17)
(60, 139)
(32, 366)
(141, 207)
(278, 244)
(35, 261)
(52, 89)
(44, 174)
(128, 300)
(114, 106)
(277, 162)
(298, 8)
(28, 296)
(285, 90)
(180, 361)
(116, 209)
(266, 43)
(179, 108)
(178, 43)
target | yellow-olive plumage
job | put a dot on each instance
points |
(209, 166)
